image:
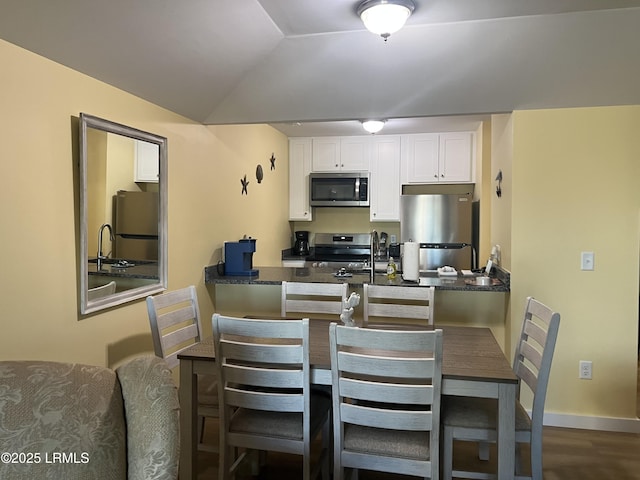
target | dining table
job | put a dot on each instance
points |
(473, 365)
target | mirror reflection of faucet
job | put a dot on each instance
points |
(102, 257)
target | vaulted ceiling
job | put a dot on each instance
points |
(287, 61)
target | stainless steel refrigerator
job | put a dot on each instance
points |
(442, 224)
(136, 225)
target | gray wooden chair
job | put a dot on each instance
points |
(301, 297)
(386, 400)
(265, 391)
(397, 302)
(474, 419)
(102, 290)
(175, 325)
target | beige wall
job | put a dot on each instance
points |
(38, 207)
(572, 187)
(575, 188)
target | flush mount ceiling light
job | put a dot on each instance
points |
(373, 126)
(384, 17)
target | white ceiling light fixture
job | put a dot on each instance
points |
(373, 126)
(384, 17)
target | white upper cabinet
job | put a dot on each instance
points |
(437, 158)
(384, 181)
(456, 157)
(299, 169)
(147, 162)
(347, 154)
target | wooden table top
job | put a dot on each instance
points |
(468, 353)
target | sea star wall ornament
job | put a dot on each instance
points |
(259, 174)
(244, 183)
(273, 161)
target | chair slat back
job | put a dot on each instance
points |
(262, 364)
(398, 302)
(175, 322)
(102, 291)
(387, 379)
(533, 356)
(304, 297)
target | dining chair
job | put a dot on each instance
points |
(397, 302)
(175, 325)
(306, 297)
(265, 392)
(474, 419)
(102, 290)
(386, 400)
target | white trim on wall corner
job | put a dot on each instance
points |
(609, 424)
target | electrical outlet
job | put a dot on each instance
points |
(393, 239)
(585, 369)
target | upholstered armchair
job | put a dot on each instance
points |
(72, 421)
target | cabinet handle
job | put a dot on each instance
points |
(336, 165)
(435, 176)
(442, 175)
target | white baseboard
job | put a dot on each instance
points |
(610, 424)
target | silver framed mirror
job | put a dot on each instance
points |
(123, 214)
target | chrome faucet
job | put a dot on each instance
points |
(101, 257)
(374, 249)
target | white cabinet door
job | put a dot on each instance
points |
(336, 154)
(420, 158)
(437, 158)
(147, 162)
(384, 182)
(456, 157)
(355, 153)
(299, 168)
(326, 154)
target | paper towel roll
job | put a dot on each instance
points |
(411, 261)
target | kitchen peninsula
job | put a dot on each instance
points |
(277, 275)
(458, 301)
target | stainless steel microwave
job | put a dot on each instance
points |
(339, 189)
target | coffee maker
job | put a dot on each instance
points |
(301, 246)
(238, 257)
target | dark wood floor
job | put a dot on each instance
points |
(569, 454)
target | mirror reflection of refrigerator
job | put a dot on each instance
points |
(442, 225)
(136, 225)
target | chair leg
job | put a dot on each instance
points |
(326, 449)
(447, 453)
(484, 451)
(201, 429)
(536, 459)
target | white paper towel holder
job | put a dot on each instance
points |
(411, 266)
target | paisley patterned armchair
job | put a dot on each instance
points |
(72, 421)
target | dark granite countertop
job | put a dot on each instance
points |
(143, 269)
(276, 275)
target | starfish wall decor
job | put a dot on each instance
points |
(244, 183)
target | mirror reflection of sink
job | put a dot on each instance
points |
(121, 262)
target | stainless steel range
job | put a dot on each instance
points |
(340, 250)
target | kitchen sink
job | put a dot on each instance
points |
(124, 262)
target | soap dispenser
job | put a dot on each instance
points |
(391, 269)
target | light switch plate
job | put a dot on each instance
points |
(587, 261)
